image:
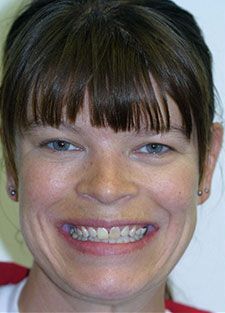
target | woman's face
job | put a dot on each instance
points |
(81, 187)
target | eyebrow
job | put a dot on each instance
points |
(36, 125)
(173, 129)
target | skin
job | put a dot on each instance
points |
(112, 177)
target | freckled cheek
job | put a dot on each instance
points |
(177, 192)
(41, 186)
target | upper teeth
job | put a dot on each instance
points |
(114, 235)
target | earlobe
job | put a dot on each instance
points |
(12, 193)
(200, 191)
(11, 187)
(210, 163)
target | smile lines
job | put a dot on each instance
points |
(116, 234)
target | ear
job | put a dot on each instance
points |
(211, 159)
(11, 187)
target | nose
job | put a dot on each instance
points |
(107, 181)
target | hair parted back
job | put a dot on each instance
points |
(57, 50)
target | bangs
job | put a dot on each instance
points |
(100, 56)
(113, 75)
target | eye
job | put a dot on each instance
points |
(154, 148)
(61, 146)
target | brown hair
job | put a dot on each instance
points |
(57, 50)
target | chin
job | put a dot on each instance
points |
(109, 294)
(112, 289)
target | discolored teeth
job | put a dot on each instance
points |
(115, 234)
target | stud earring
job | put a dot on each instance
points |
(12, 192)
(206, 190)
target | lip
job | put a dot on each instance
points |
(101, 248)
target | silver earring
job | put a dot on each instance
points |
(12, 192)
(199, 193)
(206, 190)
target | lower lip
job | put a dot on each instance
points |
(106, 249)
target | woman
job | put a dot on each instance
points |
(107, 127)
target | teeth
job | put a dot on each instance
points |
(102, 233)
(84, 232)
(92, 232)
(72, 230)
(79, 232)
(75, 235)
(125, 231)
(132, 231)
(113, 235)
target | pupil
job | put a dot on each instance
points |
(61, 145)
(154, 148)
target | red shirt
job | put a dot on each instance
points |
(11, 273)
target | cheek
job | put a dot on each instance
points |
(175, 188)
(41, 186)
(43, 191)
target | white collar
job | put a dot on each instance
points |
(9, 297)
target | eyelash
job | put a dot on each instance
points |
(66, 146)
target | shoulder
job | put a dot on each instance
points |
(180, 308)
(11, 273)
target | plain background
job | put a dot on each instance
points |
(199, 278)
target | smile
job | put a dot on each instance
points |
(113, 235)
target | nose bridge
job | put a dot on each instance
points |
(107, 179)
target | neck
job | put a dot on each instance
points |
(41, 294)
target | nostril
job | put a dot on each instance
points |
(107, 179)
(106, 192)
(104, 197)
